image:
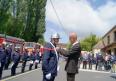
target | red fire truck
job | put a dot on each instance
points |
(30, 46)
(16, 42)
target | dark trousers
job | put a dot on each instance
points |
(96, 65)
(90, 64)
(23, 66)
(52, 78)
(39, 60)
(30, 66)
(7, 64)
(1, 70)
(84, 64)
(13, 69)
(70, 76)
(36, 65)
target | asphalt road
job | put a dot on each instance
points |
(7, 73)
(84, 75)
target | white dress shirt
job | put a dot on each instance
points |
(75, 43)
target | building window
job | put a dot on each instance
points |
(108, 39)
(115, 36)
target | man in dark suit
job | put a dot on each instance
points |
(72, 57)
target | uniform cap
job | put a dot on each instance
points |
(56, 35)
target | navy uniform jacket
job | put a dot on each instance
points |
(9, 51)
(32, 57)
(49, 64)
(15, 57)
(25, 57)
(8, 54)
(2, 55)
(37, 57)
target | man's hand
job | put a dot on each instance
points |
(58, 48)
(48, 76)
(63, 51)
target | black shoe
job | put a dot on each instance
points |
(12, 74)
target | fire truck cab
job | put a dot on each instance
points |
(30, 46)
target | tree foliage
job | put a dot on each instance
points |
(23, 18)
(68, 45)
(88, 42)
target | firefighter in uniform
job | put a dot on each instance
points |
(24, 60)
(8, 56)
(2, 59)
(32, 59)
(50, 59)
(16, 59)
(37, 59)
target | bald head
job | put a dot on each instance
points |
(73, 37)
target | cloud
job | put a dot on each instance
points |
(79, 16)
(108, 13)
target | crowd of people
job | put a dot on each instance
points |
(102, 62)
(50, 59)
(10, 57)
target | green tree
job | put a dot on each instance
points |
(88, 42)
(4, 14)
(69, 45)
(23, 18)
(35, 20)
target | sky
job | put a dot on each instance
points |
(80, 16)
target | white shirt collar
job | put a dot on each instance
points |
(75, 43)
